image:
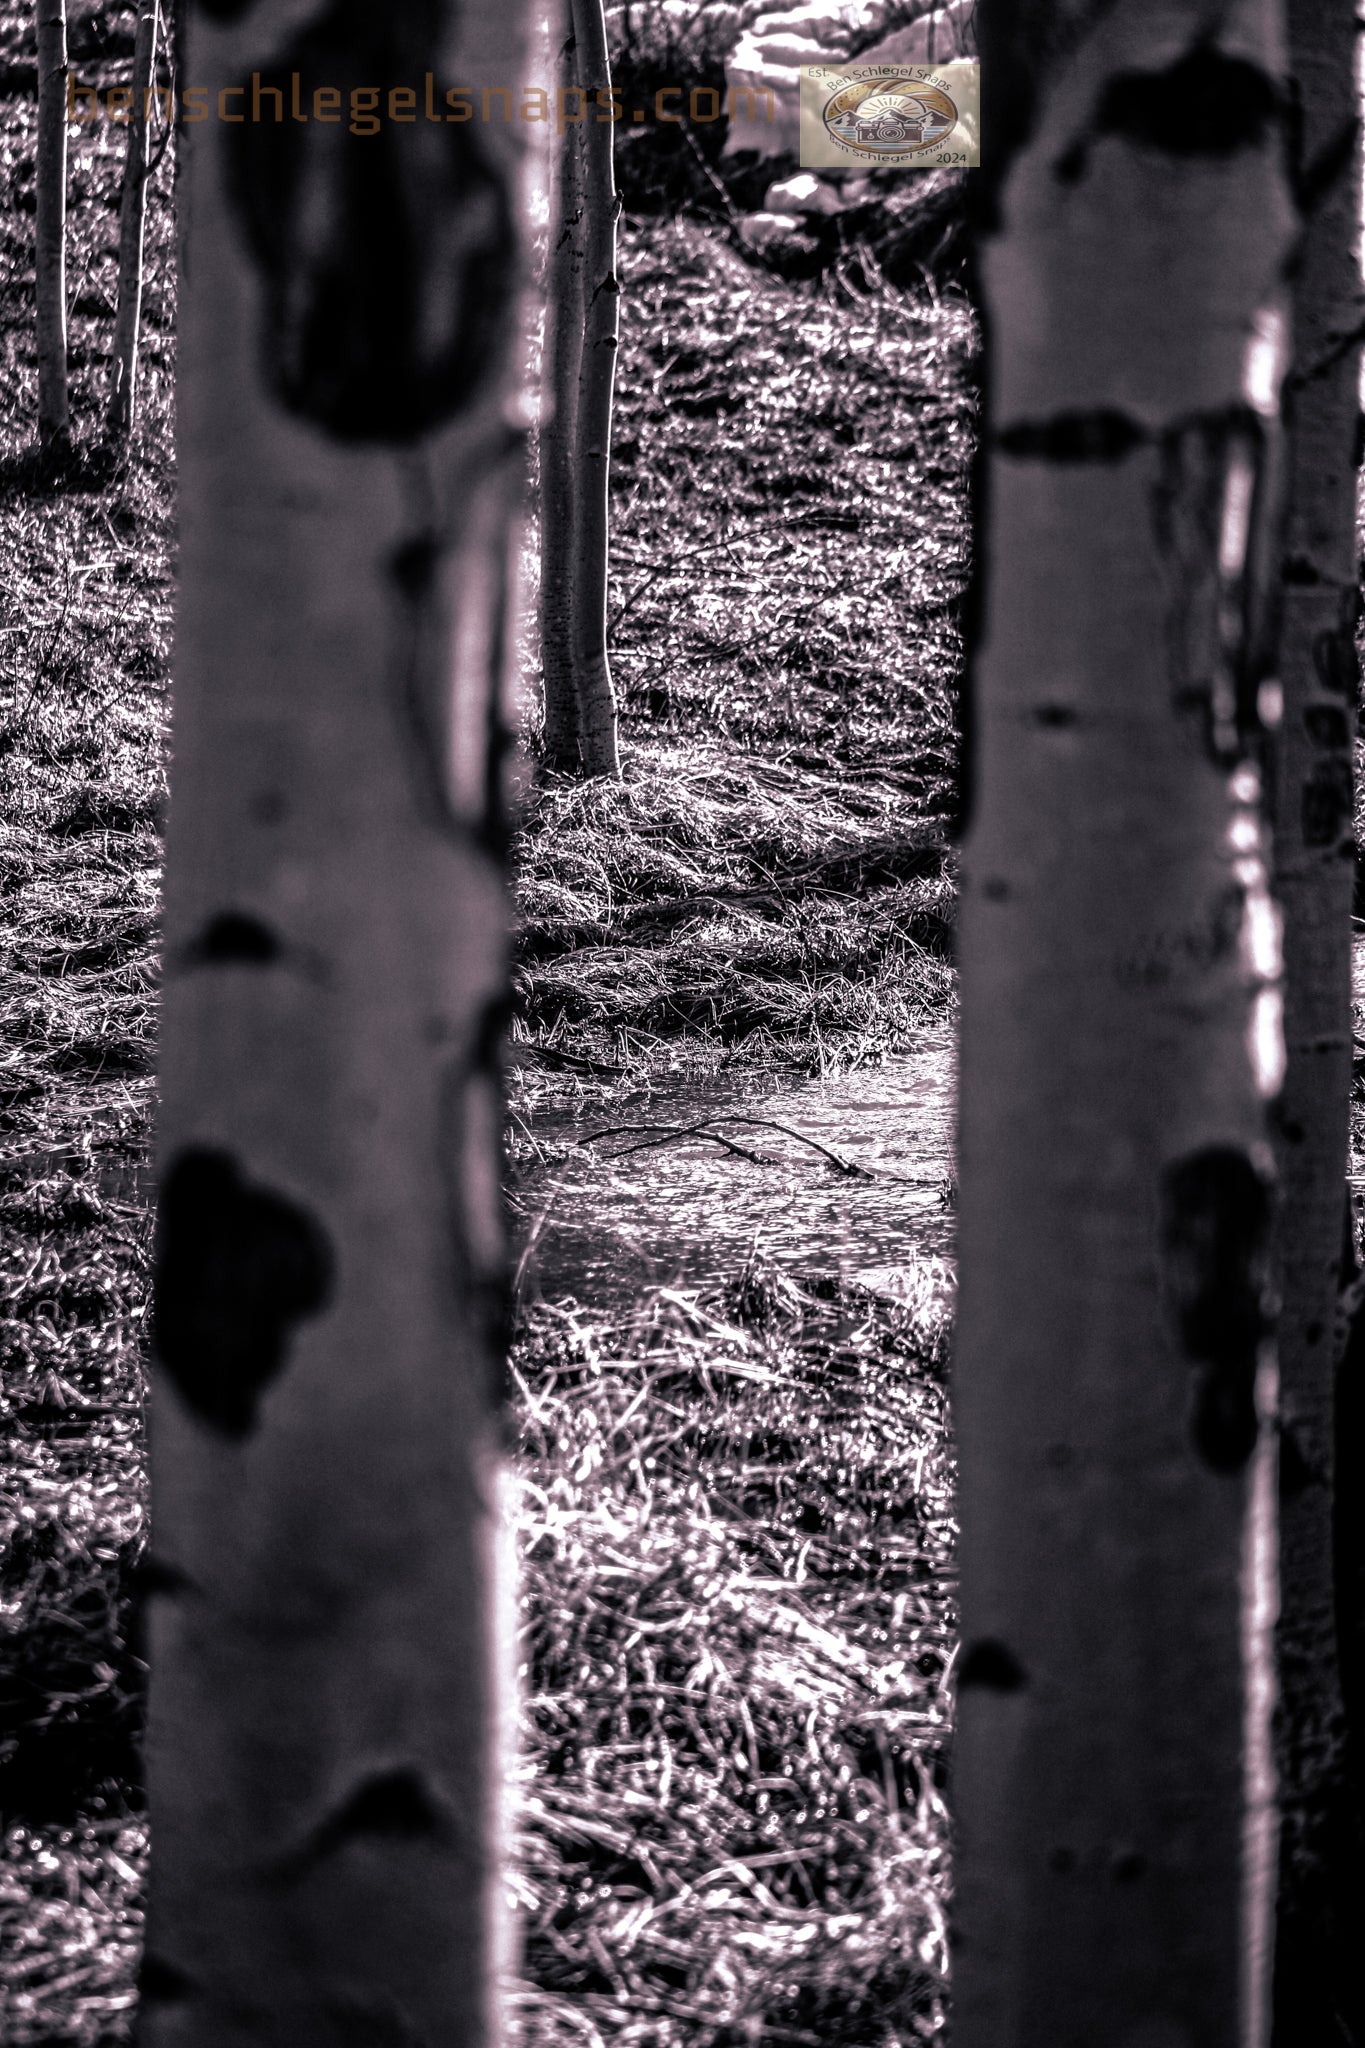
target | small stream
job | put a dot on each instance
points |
(612, 1216)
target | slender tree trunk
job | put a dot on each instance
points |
(1320, 1956)
(54, 424)
(596, 384)
(563, 355)
(132, 218)
(1120, 1040)
(330, 1626)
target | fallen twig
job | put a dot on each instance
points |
(664, 1133)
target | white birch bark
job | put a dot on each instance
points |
(50, 265)
(329, 1615)
(132, 222)
(1320, 1968)
(1120, 1040)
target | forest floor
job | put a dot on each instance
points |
(737, 1503)
(738, 1520)
(770, 882)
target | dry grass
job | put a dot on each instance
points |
(85, 614)
(720, 907)
(791, 533)
(71, 1933)
(739, 1633)
(770, 884)
(740, 1624)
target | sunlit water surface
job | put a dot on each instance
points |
(602, 1217)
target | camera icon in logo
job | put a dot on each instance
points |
(882, 116)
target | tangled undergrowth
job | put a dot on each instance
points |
(770, 884)
(791, 530)
(738, 1643)
(724, 907)
(85, 617)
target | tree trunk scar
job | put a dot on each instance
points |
(421, 683)
(1328, 799)
(1327, 792)
(1213, 509)
(470, 1118)
(1314, 182)
(1215, 1208)
(236, 1267)
(1297, 1473)
(471, 805)
(388, 256)
(236, 938)
(1334, 654)
(493, 832)
(1072, 437)
(1342, 344)
(397, 1804)
(1326, 726)
(241, 938)
(991, 1664)
(161, 1983)
(1158, 959)
(1206, 104)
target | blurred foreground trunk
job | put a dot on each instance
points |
(132, 222)
(1320, 1956)
(330, 1616)
(581, 341)
(1120, 1042)
(54, 425)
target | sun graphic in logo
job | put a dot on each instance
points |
(886, 116)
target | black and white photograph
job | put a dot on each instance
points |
(682, 1024)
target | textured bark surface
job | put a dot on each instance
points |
(1120, 1040)
(592, 421)
(563, 355)
(329, 1618)
(50, 261)
(1320, 1959)
(132, 219)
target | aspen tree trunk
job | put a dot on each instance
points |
(54, 425)
(596, 385)
(329, 1625)
(564, 306)
(1120, 1040)
(1320, 1955)
(132, 219)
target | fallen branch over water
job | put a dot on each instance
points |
(664, 1134)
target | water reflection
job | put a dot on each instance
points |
(603, 1219)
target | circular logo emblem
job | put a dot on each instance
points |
(890, 116)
